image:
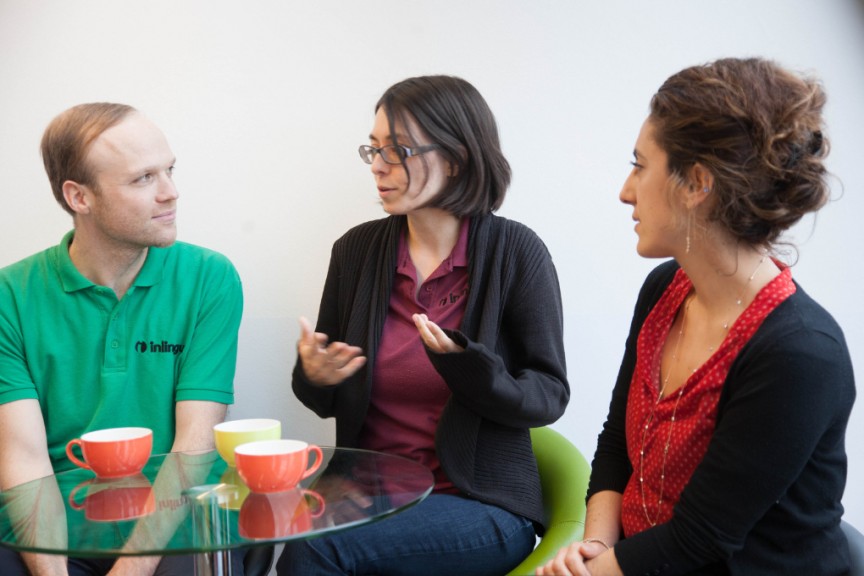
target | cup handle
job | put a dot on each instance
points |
(72, 503)
(72, 457)
(318, 498)
(319, 456)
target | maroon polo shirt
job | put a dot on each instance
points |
(408, 395)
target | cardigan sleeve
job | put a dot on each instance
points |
(611, 467)
(352, 310)
(321, 399)
(514, 371)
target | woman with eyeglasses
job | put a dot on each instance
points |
(439, 338)
(724, 448)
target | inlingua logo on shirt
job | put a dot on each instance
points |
(453, 297)
(159, 347)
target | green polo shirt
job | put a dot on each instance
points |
(96, 362)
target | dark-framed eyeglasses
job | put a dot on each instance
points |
(394, 153)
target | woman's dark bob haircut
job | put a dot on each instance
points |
(453, 115)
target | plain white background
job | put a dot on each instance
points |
(265, 102)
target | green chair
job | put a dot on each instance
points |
(564, 476)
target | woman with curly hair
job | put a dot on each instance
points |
(724, 448)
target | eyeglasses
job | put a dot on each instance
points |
(393, 154)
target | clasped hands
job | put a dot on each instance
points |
(329, 363)
(575, 559)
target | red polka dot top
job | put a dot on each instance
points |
(673, 434)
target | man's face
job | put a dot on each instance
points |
(134, 201)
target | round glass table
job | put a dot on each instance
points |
(193, 503)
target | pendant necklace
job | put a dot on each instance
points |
(671, 425)
(739, 302)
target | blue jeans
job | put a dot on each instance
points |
(11, 564)
(443, 534)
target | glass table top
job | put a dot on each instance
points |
(194, 503)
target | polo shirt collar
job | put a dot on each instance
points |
(458, 256)
(151, 272)
(72, 279)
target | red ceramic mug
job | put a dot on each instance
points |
(275, 465)
(113, 452)
(279, 514)
(114, 500)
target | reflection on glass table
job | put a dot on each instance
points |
(193, 503)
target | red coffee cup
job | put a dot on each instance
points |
(279, 514)
(113, 500)
(275, 465)
(113, 452)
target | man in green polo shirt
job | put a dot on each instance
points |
(118, 325)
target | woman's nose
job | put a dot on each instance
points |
(379, 165)
(626, 194)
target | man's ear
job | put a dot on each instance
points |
(700, 185)
(77, 196)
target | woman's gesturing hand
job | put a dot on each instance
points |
(433, 337)
(326, 364)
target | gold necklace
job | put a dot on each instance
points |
(740, 300)
(650, 419)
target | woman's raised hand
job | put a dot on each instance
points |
(326, 364)
(433, 337)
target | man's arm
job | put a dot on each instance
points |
(194, 424)
(194, 421)
(25, 446)
(24, 457)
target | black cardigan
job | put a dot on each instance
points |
(510, 377)
(766, 497)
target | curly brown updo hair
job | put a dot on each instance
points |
(758, 129)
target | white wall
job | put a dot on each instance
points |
(265, 102)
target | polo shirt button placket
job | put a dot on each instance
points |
(115, 355)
